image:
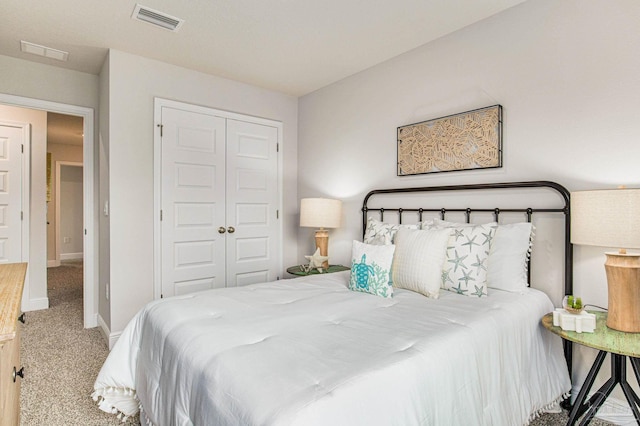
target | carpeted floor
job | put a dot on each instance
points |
(62, 360)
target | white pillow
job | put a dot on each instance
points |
(382, 233)
(417, 264)
(510, 251)
(465, 269)
(371, 268)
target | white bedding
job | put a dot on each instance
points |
(308, 351)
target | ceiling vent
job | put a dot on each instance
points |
(47, 52)
(161, 19)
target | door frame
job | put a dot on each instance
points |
(90, 211)
(59, 165)
(158, 104)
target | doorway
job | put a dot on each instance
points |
(35, 284)
(68, 212)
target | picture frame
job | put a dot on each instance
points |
(465, 141)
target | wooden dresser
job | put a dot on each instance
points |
(11, 284)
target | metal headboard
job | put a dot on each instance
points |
(529, 211)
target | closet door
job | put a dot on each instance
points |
(192, 201)
(252, 203)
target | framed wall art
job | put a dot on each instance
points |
(466, 141)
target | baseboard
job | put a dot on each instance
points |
(36, 304)
(71, 256)
(613, 410)
(91, 322)
(617, 412)
(53, 263)
(109, 338)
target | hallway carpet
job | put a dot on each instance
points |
(62, 359)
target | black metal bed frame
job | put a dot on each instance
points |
(529, 211)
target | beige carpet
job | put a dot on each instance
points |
(62, 360)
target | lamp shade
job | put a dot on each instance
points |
(320, 212)
(606, 218)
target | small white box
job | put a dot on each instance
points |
(584, 322)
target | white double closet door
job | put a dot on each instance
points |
(220, 198)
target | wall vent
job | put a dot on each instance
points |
(40, 50)
(155, 17)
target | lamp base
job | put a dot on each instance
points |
(623, 283)
(322, 243)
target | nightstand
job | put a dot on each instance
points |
(620, 346)
(298, 270)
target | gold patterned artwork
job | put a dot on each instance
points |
(470, 140)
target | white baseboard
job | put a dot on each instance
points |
(613, 410)
(91, 321)
(617, 412)
(109, 338)
(35, 304)
(53, 263)
(71, 256)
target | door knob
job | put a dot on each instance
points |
(231, 229)
(221, 230)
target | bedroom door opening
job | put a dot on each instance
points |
(218, 199)
(35, 290)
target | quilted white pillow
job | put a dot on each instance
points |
(383, 233)
(510, 250)
(371, 268)
(465, 269)
(417, 264)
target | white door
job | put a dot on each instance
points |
(11, 142)
(252, 203)
(193, 193)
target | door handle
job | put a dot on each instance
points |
(231, 229)
(221, 230)
(17, 373)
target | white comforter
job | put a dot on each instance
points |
(308, 351)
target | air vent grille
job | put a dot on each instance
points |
(155, 17)
(40, 50)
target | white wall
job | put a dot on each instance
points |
(133, 83)
(566, 73)
(104, 309)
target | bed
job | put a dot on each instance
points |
(311, 351)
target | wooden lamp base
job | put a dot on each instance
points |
(623, 279)
(322, 243)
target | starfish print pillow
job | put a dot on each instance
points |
(466, 264)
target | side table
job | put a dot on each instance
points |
(298, 270)
(620, 346)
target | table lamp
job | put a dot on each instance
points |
(321, 213)
(611, 218)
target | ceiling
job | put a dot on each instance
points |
(291, 46)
